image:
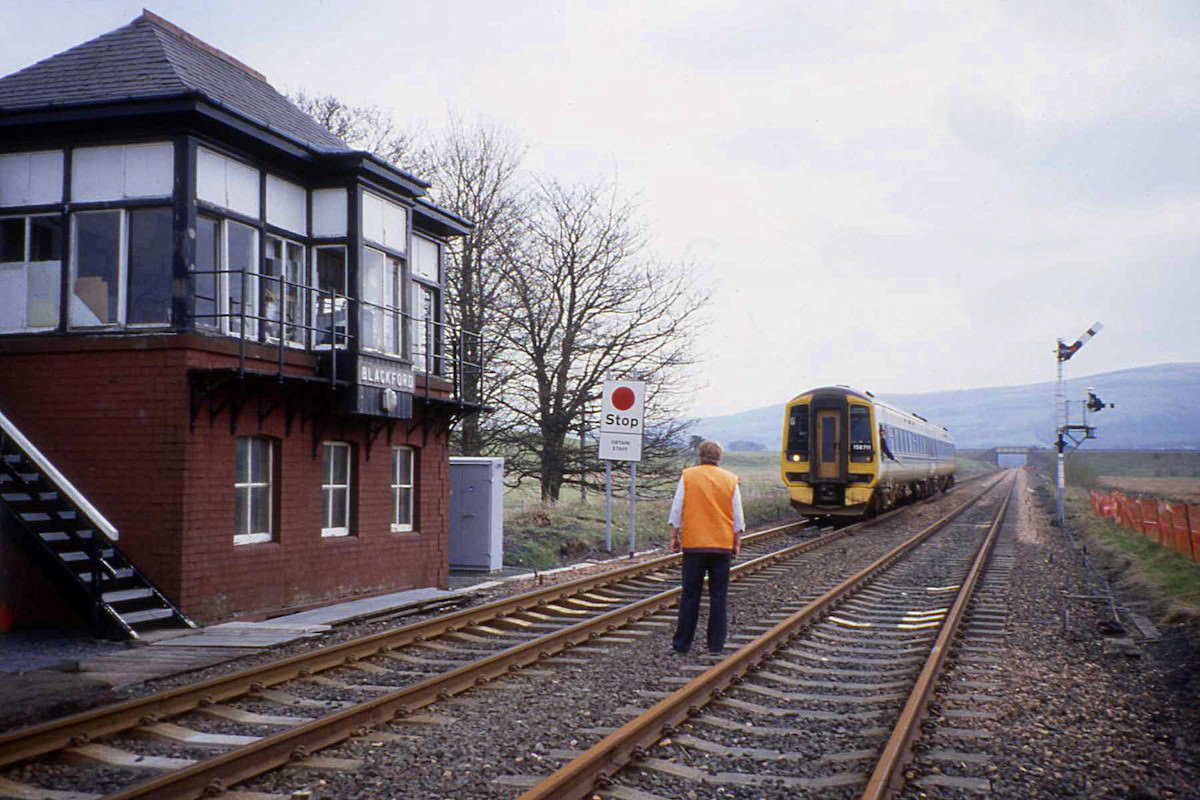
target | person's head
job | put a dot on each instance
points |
(710, 452)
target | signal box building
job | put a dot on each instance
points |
(225, 376)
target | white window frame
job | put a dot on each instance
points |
(25, 265)
(419, 324)
(256, 537)
(264, 281)
(122, 269)
(122, 273)
(343, 341)
(224, 320)
(327, 484)
(394, 269)
(399, 525)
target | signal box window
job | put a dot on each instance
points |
(253, 517)
(402, 488)
(335, 489)
(30, 273)
(121, 271)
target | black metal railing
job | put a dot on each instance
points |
(289, 315)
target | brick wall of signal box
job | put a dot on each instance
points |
(114, 418)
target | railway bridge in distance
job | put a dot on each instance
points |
(1011, 456)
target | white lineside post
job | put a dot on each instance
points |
(608, 493)
(1063, 354)
(608, 506)
(632, 492)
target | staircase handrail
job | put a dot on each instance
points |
(50, 471)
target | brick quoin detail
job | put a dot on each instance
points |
(114, 418)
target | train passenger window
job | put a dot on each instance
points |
(861, 448)
(797, 433)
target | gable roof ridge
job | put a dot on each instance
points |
(175, 30)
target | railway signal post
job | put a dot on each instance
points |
(1063, 354)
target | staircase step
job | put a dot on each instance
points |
(149, 615)
(125, 595)
(124, 573)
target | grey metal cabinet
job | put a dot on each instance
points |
(476, 513)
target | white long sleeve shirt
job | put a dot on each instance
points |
(675, 518)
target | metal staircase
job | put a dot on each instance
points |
(39, 506)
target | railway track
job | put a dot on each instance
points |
(339, 693)
(435, 658)
(840, 684)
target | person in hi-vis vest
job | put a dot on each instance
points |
(706, 523)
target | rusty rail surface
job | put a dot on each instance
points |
(219, 772)
(594, 768)
(31, 742)
(887, 780)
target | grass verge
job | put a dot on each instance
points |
(1172, 580)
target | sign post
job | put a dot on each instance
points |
(621, 423)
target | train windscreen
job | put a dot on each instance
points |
(861, 448)
(797, 433)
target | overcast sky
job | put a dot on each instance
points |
(904, 197)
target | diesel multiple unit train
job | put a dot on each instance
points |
(847, 454)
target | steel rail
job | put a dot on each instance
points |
(887, 780)
(227, 769)
(31, 742)
(595, 767)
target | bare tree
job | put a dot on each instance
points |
(475, 172)
(584, 302)
(370, 128)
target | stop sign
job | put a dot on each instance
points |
(621, 406)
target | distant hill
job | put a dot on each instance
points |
(1157, 408)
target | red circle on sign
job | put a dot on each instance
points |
(622, 398)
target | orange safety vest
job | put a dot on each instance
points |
(707, 518)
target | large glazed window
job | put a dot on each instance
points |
(208, 261)
(226, 276)
(121, 267)
(253, 515)
(149, 266)
(425, 334)
(797, 433)
(95, 285)
(329, 299)
(241, 278)
(30, 273)
(335, 489)
(861, 448)
(382, 277)
(284, 295)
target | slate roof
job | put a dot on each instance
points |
(151, 58)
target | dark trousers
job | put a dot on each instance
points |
(695, 565)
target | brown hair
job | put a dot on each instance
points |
(710, 452)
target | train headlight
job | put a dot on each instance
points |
(795, 457)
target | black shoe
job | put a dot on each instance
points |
(678, 651)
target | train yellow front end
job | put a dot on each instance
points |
(846, 454)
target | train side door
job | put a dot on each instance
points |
(829, 443)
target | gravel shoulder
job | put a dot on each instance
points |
(1094, 708)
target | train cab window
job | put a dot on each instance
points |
(861, 449)
(797, 433)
